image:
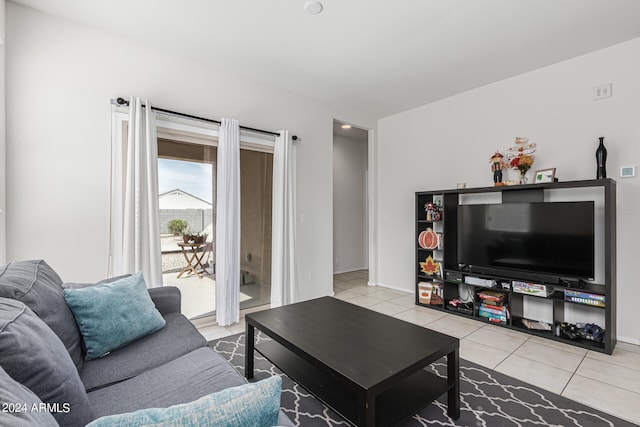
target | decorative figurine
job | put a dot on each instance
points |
(428, 207)
(497, 165)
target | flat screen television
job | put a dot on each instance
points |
(528, 240)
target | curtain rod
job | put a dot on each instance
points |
(122, 101)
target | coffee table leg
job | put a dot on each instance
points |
(453, 378)
(248, 356)
(366, 412)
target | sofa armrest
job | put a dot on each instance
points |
(167, 299)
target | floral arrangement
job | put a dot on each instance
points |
(521, 157)
(522, 162)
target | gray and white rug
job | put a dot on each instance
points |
(488, 398)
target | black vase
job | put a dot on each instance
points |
(601, 160)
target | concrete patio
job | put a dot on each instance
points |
(199, 294)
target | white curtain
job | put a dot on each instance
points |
(284, 273)
(135, 230)
(228, 224)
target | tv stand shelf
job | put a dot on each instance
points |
(583, 301)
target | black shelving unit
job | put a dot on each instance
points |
(450, 200)
(422, 224)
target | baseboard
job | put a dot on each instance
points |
(382, 285)
(633, 341)
(350, 270)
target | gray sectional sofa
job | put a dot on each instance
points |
(42, 357)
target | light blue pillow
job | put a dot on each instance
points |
(250, 405)
(112, 315)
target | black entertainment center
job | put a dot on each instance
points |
(491, 260)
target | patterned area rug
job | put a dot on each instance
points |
(488, 398)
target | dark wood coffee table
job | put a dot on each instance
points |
(366, 366)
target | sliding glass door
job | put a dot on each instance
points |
(187, 188)
(256, 173)
(186, 181)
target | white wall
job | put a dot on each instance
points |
(349, 204)
(450, 141)
(3, 229)
(60, 78)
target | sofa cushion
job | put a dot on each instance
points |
(249, 405)
(20, 406)
(176, 339)
(112, 315)
(81, 285)
(35, 357)
(167, 299)
(182, 380)
(37, 285)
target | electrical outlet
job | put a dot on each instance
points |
(602, 91)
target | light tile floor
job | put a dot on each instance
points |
(208, 326)
(608, 383)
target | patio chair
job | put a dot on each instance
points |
(209, 260)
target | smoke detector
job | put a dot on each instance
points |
(313, 7)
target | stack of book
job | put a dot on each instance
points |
(493, 306)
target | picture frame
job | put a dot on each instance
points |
(544, 175)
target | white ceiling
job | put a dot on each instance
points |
(376, 56)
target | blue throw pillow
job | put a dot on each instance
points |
(112, 315)
(250, 405)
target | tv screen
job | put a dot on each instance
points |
(553, 238)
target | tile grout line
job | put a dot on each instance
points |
(574, 373)
(499, 349)
(513, 353)
(613, 362)
(606, 411)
